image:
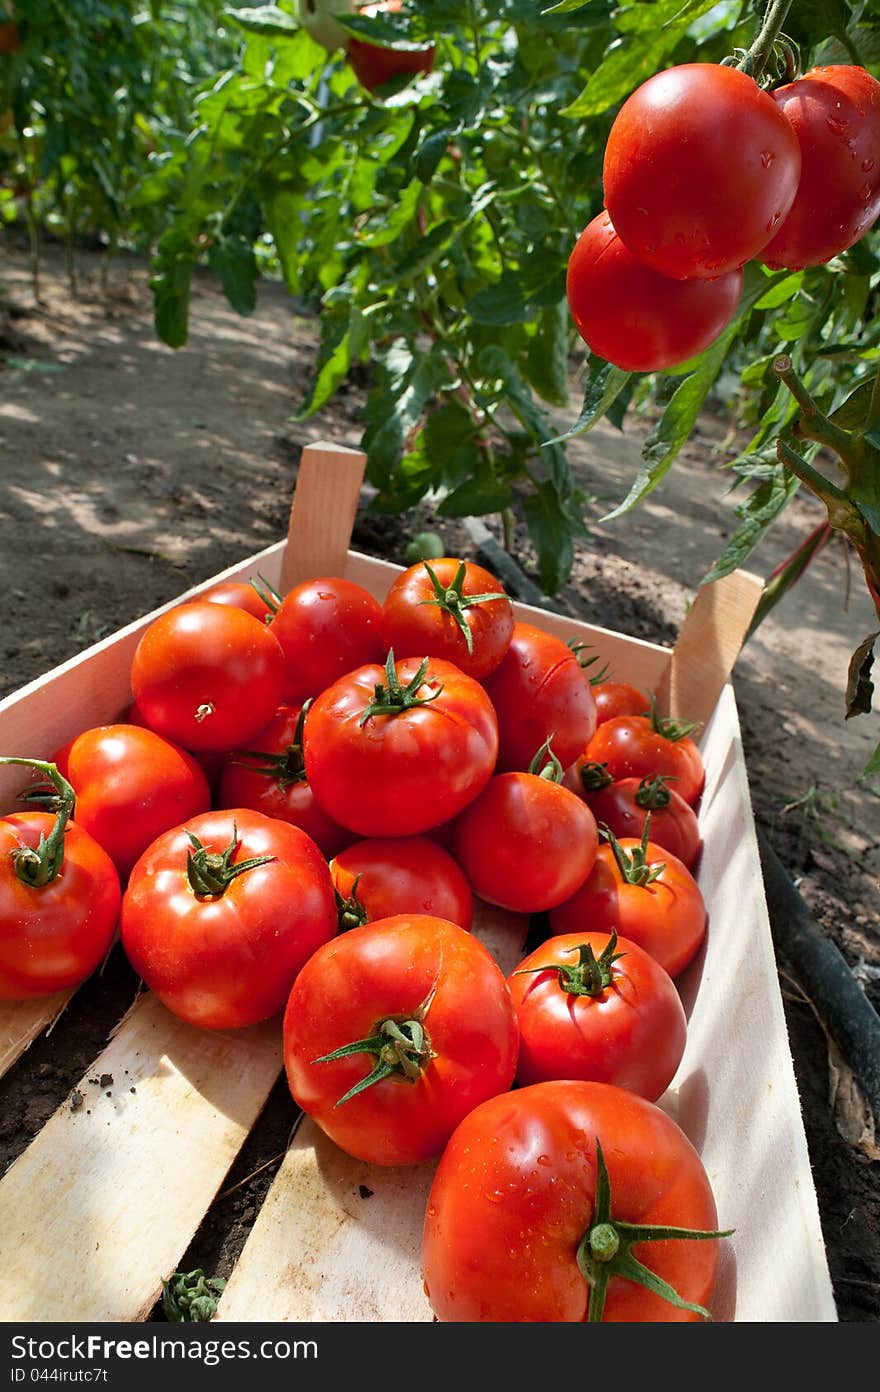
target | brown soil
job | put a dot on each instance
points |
(130, 472)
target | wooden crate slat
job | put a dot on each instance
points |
(22, 1021)
(106, 1198)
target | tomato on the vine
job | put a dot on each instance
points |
(452, 609)
(59, 897)
(394, 1032)
(131, 784)
(633, 316)
(207, 676)
(600, 1008)
(523, 1214)
(375, 64)
(644, 893)
(526, 843)
(701, 168)
(384, 876)
(326, 627)
(835, 113)
(540, 692)
(394, 751)
(221, 913)
(271, 778)
(639, 746)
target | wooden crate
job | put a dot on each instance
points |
(101, 1206)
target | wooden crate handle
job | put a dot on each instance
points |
(322, 513)
(708, 645)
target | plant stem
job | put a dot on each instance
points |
(507, 521)
(815, 425)
(756, 58)
(872, 420)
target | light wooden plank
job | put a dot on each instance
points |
(328, 486)
(105, 1200)
(22, 1021)
(708, 645)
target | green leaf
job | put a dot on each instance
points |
(758, 514)
(395, 220)
(265, 19)
(476, 497)
(407, 383)
(284, 214)
(546, 362)
(343, 335)
(603, 388)
(429, 154)
(233, 261)
(873, 764)
(550, 528)
(784, 289)
(175, 259)
(427, 249)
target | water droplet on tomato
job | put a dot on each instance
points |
(767, 158)
(867, 165)
(544, 1160)
(865, 192)
(431, 1211)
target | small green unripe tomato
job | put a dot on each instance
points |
(424, 546)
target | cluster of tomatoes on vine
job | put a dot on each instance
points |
(295, 816)
(703, 172)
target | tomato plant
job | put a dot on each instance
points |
(540, 692)
(59, 897)
(207, 675)
(452, 609)
(394, 1032)
(633, 316)
(384, 876)
(526, 843)
(835, 112)
(271, 778)
(326, 627)
(541, 1195)
(131, 784)
(701, 168)
(393, 751)
(599, 1008)
(644, 893)
(637, 746)
(220, 914)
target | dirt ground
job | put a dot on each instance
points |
(129, 472)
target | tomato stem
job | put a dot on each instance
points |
(350, 912)
(41, 865)
(605, 1250)
(289, 766)
(401, 1048)
(756, 58)
(589, 976)
(210, 873)
(545, 764)
(453, 601)
(594, 776)
(579, 649)
(814, 425)
(652, 793)
(390, 698)
(672, 730)
(634, 868)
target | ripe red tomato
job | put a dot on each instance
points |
(637, 746)
(633, 316)
(375, 65)
(643, 893)
(701, 168)
(444, 608)
(526, 843)
(383, 876)
(131, 784)
(326, 627)
(619, 698)
(271, 778)
(597, 1007)
(219, 943)
(393, 751)
(59, 899)
(523, 1198)
(540, 692)
(240, 596)
(835, 113)
(626, 804)
(432, 1015)
(207, 676)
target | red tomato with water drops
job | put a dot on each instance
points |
(451, 609)
(639, 746)
(130, 785)
(271, 778)
(835, 113)
(383, 876)
(430, 1012)
(520, 1222)
(635, 317)
(701, 168)
(207, 676)
(540, 692)
(642, 892)
(395, 750)
(59, 898)
(599, 1008)
(326, 627)
(221, 914)
(526, 843)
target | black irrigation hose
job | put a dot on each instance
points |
(827, 979)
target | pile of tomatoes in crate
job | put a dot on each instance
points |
(703, 172)
(295, 816)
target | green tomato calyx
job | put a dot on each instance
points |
(400, 1045)
(391, 698)
(454, 602)
(589, 975)
(210, 873)
(40, 865)
(634, 866)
